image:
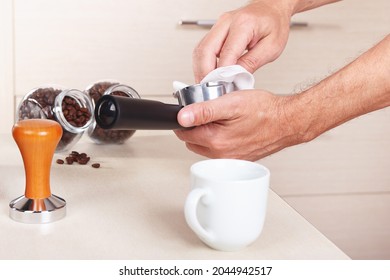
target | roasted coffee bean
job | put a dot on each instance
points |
(97, 90)
(34, 107)
(80, 158)
(83, 161)
(73, 112)
(107, 136)
(69, 160)
(40, 105)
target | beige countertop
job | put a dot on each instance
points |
(132, 208)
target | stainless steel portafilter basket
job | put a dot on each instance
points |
(117, 112)
(202, 92)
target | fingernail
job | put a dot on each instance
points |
(187, 118)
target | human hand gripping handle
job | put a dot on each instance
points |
(251, 124)
(219, 125)
(213, 124)
(246, 124)
(198, 114)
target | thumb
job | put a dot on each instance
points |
(203, 112)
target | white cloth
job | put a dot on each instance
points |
(236, 74)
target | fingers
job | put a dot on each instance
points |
(195, 114)
(236, 42)
(194, 138)
(200, 150)
(250, 36)
(203, 141)
(222, 108)
(205, 55)
(213, 147)
(265, 51)
(222, 46)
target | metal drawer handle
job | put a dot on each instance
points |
(210, 22)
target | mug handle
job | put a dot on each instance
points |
(191, 204)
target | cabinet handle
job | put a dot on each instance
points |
(203, 23)
(210, 22)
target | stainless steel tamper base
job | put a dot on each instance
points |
(37, 211)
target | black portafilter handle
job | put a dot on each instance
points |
(126, 113)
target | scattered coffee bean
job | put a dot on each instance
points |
(107, 136)
(74, 154)
(69, 160)
(83, 160)
(80, 158)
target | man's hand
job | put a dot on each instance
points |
(247, 125)
(250, 36)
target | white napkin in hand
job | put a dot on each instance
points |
(237, 74)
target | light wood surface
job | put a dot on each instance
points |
(357, 222)
(132, 208)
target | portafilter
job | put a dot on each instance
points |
(117, 112)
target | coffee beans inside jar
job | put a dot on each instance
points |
(107, 136)
(71, 108)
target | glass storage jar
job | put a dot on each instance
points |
(71, 108)
(97, 90)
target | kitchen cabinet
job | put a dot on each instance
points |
(140, 43)
(6, 66)
(76, 43)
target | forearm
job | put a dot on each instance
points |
(297, 6)
(304, 5)
(358, 88)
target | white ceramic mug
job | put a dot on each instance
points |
(227, 203)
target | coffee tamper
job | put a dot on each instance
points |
(37, 140)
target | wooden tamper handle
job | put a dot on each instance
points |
(37, 140)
